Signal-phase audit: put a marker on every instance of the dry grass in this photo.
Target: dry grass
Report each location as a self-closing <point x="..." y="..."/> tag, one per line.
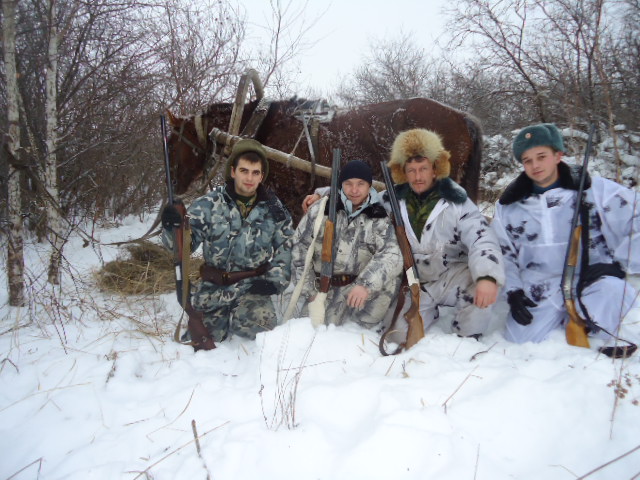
<point x="148" y="269"/>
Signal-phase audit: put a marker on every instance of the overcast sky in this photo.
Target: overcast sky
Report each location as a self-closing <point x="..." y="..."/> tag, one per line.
<point x="344" y="29"/>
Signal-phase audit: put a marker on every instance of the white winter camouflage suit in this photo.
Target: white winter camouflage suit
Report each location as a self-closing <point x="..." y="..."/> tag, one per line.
<point x="533" y="230"/>
<point x="233" y="243"/>
<point x="457" y="247"/>
<point x="366" y="245"/>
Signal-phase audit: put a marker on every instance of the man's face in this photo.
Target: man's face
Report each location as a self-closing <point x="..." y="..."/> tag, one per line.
<point x="420" y="174"/>
<point x="356" y="190"/>
<point x="246" y="177"/>
<point x="541" y="165"/>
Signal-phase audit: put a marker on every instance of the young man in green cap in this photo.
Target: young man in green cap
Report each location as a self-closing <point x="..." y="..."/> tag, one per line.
<point x="245" y="233"/>
<point x="532" y="221"/>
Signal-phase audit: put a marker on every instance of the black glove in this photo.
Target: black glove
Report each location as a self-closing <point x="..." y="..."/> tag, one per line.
<point x="263" y="287"/>
<point x="519" y="302"/>
<point x="171" y="217"/>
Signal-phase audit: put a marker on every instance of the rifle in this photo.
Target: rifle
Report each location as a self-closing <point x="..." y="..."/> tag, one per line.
<point x="414" y="320"/>
<point x="317" y="306"/>
<point x="200" y="338"/>
<point x="576" y="329"/>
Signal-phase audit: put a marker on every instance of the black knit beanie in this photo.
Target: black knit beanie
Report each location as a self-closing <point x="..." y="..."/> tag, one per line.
<point x="356" y="169"/>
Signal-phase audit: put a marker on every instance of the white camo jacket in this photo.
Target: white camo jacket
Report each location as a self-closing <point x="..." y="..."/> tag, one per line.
<point x="534" y="229"/>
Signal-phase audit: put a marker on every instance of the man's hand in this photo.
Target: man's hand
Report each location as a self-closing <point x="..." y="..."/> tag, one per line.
<point x="486" y="293"/>
<point x="309" y="200"/>
<point x="357" y="297"/>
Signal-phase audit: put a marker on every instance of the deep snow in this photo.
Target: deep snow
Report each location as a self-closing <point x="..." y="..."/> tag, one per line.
<point x="92" y="386"/>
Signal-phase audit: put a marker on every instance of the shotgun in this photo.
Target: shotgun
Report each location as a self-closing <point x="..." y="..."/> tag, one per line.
<point x="317" y="305"/>
<point x="200" y="338"/>
<point x="576" y="329"/>
<point x="411" y="283"/>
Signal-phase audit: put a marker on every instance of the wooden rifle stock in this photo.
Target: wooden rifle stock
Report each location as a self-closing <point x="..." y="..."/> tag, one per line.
<point x="327" y="253"/>
<point x="576" y="328"/>
<point x="200" y="338"/>
<point x="415" y="331"/>
<point x="317" y="306"/>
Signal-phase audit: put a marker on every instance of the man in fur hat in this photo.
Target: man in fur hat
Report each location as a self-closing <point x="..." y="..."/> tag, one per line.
<point x="532" y="221"/>
<point x="367" y="262"/>
<point x="245" y="233"/>
<point x="456" y="253"/>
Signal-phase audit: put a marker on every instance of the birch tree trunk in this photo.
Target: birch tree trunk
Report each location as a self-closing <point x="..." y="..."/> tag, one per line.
<point x="15" y="240"/>
<point x="54" y="220"/>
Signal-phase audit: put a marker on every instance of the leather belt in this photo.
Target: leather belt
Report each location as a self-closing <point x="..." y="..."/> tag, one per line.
<point x="224" y="278"/>
<point x="340" y="280"/>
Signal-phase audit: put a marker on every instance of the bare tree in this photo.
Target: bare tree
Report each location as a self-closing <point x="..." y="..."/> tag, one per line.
<point x="197" y="47"/>
<point x="559" y="56"/>
<point x="501" y="32"/>
<point x="15" y="240"/>
<point x="54" y="218"/>
<point x="393" y="69"/>
<point x="288" y="30"/>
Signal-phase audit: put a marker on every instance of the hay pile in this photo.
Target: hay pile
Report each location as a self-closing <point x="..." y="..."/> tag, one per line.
<point x="147" y="270"/>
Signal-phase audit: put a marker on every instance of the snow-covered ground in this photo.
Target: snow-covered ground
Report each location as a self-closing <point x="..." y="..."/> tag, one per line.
<point x="92" y="386"/>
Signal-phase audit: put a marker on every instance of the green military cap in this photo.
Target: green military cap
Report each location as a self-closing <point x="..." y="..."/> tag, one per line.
<point x="540" y="135"/>
<point x="247" y="145"/>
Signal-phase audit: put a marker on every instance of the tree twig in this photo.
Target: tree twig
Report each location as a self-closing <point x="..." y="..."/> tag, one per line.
<point x="144" y="472"/>
<point x="458" y="388"/>
<point x="195" y="437"/>
<point x="39" y="460"/>
<point x="608" y="463"/>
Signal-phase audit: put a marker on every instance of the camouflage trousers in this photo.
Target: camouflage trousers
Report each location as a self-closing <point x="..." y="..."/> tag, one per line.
<point x="246" y="316"/>
<point x="338" y="312"/>
<point x="454" y="289"/>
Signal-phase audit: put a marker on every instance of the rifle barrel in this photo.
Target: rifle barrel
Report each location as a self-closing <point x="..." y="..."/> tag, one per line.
<point x="328" y="240"/>
<point x="568" y="272"/>
<point x="167" y="164"/>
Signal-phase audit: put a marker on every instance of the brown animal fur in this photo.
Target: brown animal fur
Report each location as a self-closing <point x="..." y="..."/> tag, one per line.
<point x="365" y="133"/>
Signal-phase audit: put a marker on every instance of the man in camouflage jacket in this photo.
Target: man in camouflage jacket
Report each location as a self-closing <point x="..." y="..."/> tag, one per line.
<point x="367" y="261"/>
<point x="241" y="226"/>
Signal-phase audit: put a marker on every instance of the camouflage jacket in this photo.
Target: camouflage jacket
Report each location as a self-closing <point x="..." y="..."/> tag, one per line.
<point x="534" y="229"/>
<point x="366" y="246"/>
<point x="455" y="232"/>
<point x="233" y="243"/>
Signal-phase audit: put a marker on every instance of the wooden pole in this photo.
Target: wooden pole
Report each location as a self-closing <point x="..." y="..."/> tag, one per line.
<point x="218" y="136"/>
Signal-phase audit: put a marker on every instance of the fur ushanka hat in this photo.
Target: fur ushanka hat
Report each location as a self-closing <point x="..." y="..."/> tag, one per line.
<point x="418" y="142"/>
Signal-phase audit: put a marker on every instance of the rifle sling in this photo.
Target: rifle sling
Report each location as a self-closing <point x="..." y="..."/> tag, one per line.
<point x="223" y="278"/>
<point x="584" y="280"/>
